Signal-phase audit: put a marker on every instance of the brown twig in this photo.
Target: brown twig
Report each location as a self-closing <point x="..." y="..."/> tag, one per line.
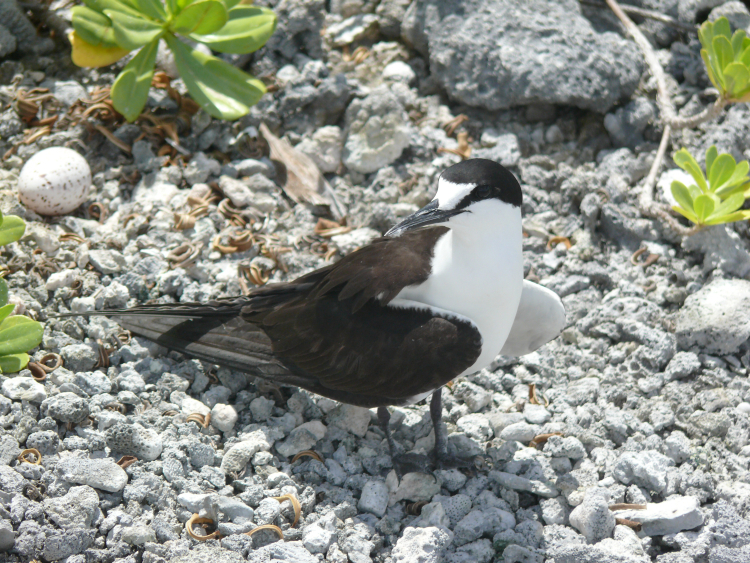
<point x="627" y="506"/>
<point x="636" y="526"/>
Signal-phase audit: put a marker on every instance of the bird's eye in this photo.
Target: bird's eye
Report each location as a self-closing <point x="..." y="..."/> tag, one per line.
<point x="483" y="191"/>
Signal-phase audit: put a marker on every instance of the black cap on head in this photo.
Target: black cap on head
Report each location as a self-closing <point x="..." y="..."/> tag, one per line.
<point x="485" y="174"/>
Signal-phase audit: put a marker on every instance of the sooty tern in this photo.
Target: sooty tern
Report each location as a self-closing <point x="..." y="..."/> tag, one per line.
<point x="439" y="296"/>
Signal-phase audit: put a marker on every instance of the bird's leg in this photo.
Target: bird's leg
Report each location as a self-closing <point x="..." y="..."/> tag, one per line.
<point x="402" y="463"/>
<point x="442" y="459"/>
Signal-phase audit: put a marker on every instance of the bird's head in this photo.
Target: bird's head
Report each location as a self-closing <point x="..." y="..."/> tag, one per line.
<point x="470" y="192"/>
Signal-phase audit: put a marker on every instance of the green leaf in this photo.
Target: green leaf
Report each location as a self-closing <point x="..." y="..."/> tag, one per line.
<point x="247" y="29"/>
<point x="708" y="62"/>
<point x="11" y="229"/>
<point x="724" y="53"/>
<point x="739" y="177"/>
<point x="744" y="57"/>
<point x="116" y="5"/>
<point x="729" y="205"/>
<point x="231" y="3"/>
<point x="130" y="90"/>
<point x="721" y="170"/>
<point x="132" y="32"/>
<point x="153" y="9"/>
<point x="93" y="27"/>
<point x="681" y="194"/>
<point x="737" y="41"/>
<point x="182" y="4"/>
<point x="3" y="292"/>
<point x="722" y="27"/>
<point x="206" y="16"/>
<point x="13" y="363"/>
<point x="19" y="336"/>
<point x="685" y="160"/>
<point x="690" y="216"/>
<point x="731" y="218"/>
<point x="711" y="155"/>
<point x="224" y="91"/>
<point x="703" y="205"/>
<point x="736" y="78"/>
<point x="706" y="34"/>
<point x="6" y="310"/>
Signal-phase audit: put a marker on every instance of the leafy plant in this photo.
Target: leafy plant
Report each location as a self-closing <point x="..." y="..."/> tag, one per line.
<point x="18" y="334"/>
<point x="107" y="30"/>
<point x="717" y="196"/>
<point x="727" y="59"/>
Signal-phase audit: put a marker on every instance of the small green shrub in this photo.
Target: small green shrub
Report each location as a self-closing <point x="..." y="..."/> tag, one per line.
<point x="18" y="334"/>
<point x="727" y="59"/>
<point x="106" y="30"/>
<point x="717" y="196"/>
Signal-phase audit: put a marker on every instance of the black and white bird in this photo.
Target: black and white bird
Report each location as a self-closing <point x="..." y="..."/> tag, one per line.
<point x="438" y="297"/>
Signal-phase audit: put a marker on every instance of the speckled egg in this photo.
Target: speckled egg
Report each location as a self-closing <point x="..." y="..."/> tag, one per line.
<point x="54" y="181"/>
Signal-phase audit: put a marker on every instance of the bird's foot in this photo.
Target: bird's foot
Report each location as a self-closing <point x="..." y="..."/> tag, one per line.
<point x="411" y="463"/>
<point x="447" y="461"/>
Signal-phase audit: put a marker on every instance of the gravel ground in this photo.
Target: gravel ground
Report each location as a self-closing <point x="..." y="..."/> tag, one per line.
<point x="643" y="400"/>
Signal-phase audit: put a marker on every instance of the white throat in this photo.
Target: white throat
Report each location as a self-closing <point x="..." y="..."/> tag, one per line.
<point x="477" y="273"/>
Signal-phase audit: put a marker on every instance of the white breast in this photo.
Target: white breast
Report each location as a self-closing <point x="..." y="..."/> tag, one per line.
<point x="477" y="273"/>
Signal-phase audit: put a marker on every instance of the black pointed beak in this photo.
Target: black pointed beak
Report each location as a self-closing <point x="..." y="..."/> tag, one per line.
<point x="428" y="215"/>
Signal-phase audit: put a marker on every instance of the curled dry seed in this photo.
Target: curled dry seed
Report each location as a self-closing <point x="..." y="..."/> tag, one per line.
<point x="183" y="221"/>
<point x="326" y="228"/>
<point x="23" y="456"/>
<point x="124" y="337"/>
<point x="627" y="506"/>
<point x="204" y="421"/>
<point x="295" y="505"/>
<point x="37" y="371"/>
<point x="451" y="126"/>
<point x="126" y="461"/>
<point x="216" y="245"/>
<point x="554" y="241"/>
<point x="534" y="396"/>
<point x="415" y="508"/>
<point x="31" y="492"/>
<point x="636" y="254"/>
<point x="542" y="438"/>
<point x="116" y="407"/>
<point x="242" y="240"/>
<point x="308" y="453"/>
<point x="169" y="413"/>
<point x="98" y="211"/>
<point x="88" y="421"/>
<point x="71" y="237"/>
<point x="51" y="357"/>
<point x="104" y="352"/>
<point x="195" y="519"/>
<point x="636" y="526"/>
<point x="650" y="259"/>
<point x="184" y="255"/>
<point x="266" y="527"/>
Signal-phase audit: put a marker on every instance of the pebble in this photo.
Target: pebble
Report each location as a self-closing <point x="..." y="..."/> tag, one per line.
<point x="517" y="483"/>
<point x="520" y="432"/>
<point x="350" y="418"/>
<point x="236" y="458"/>
<point x="422" y="545"/>
<point x="413" y="487"/>
<point x="302" y="438"/>
<point x="668" y="517"/>
<point x="66" y="407"/>
<point x="374" y="498"/>
<point x="77" y="509"/>
<point x="24" y="389"/>
<point x="134" y="439"/>
<point x="646" y="469"/>
<point x="100" y="473"/>
<point x="592" y="517"/>
<point x="223" y="417"/>
<point x="316" y="539"/>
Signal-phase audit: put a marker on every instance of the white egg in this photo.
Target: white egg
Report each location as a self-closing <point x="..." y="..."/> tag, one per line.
<point x="54" y="181"/>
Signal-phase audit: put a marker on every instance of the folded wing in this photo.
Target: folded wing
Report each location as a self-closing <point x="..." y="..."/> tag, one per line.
<point x="539" y="319"/>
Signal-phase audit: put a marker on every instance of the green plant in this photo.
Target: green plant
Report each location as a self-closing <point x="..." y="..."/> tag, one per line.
<point x="717" y="196"/>
<point x="106" y="30"/>
<point x="18" y="333"/>
<point x="727" y="59"/>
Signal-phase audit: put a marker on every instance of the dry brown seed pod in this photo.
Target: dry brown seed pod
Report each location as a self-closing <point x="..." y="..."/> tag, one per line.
<point x="542" y="438"/>
<point x="415" y="508"/>
<point x="126" y="461"/>
<point x="169" y="413"/>
<point x="98" y="211"/>
<point x="451" y="126"/>
<point x="203" y="421"/>
<point x="22" y="457"/>
<point x="37" y="371"/>
<point x="71" y="237"/>
<point x="266" y="527"/>
<point x="627" y="506"/>
<point x="184" y="221"/>
<point x="195" y="519"/>
<point x="308" y="453"/>
<point x="463" y="149"/>
<point x="116" y="407"/>
<point x="534" y="396"/>
<point x="636" y="526"/>
<point x="295" y="505"/>
<point x="554" y="241"/>
<point x="51" y="357"/>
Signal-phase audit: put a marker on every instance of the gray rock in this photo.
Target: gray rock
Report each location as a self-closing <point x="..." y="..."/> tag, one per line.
<point x="517" y="554"/>
<point x="374" y="498"/>
<point x="568" y="446"/>
<point x="504" y="149"/>
<point x="721" y="248"/>
<point x="79" y="357"/>
<point x="350" y="418"/>
<point x="475" y="397"/>
<point x="593" y="517"/>
<point x="9" y="449"/>
<point x="200" y="169"/>
<point x="138" y="535"/>
<point x="223" y="417"/>
<point x="24" y="389"/>
<point x="59" y="544"/>
<point x="77" y="509"/>
<point x="376" y="131"/>
<point x="7" y="46"/>
<point x="647" y="469"/>
<point x="267" y="512"/>
<point x="46" y="441"/>
<point x="668" y="517"/>
<point x="7" y="535"/>
<point x="422" y="545"/>
<point x="503" y="53"/>
<point x="316" y="539"/>
<point x="413" y="486"/>
<point x="304" y="437"/>
<point x="92" y="382"/>
<point x="261" y="408"/>
<point x="214" y="554"/>
<point x="677" y="446"/>
<point x="682" y="365"/>
<point x="134" y="439"/>
<point x="626" y="125"/>
<point x="554" y="510"/>
<point x="399" y="71"/>
<point x="10" y="480"/>
<point x="66" y="407"/>
<point x="520" y="432"/>
<point x="517" y="483"/>
<point x="469" y="528"/>
<point x="324" y="148"/>
<point x="107" y="261"/>
<point x="237" y="457"/>
<point x="735" y="11"/>
<point x="475" y="426"/>
<point x="103" y="474"/>
<point x="536" y="414"/>
<point x="716" y="318"/>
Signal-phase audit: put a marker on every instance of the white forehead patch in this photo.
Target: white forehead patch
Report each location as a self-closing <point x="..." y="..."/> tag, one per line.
<point x="449" y="194"/>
